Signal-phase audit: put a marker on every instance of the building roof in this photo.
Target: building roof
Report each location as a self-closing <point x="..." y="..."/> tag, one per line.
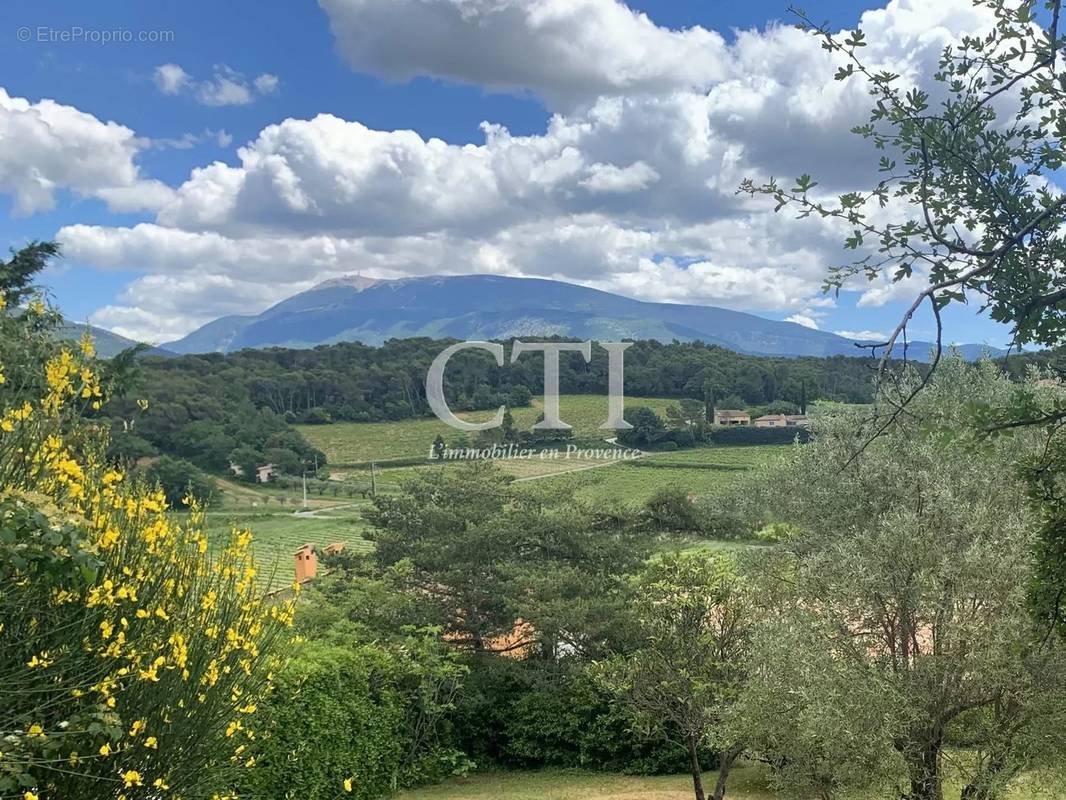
<point x="730" y="413"/>
<point x="774" y="417"/>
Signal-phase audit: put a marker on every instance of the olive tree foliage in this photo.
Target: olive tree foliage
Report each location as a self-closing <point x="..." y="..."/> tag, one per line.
<point x="967" y="174"/>
<point x="897" y="620"/>
<point x="693" y="620"/>
<point x="969" y="203"/>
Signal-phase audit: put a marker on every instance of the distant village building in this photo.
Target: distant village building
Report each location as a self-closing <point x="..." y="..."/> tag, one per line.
<point x="731" y="417"/>
<point x="263" y="474"/>
<point x="796" y="420"/>
<point x="771" y="421"/>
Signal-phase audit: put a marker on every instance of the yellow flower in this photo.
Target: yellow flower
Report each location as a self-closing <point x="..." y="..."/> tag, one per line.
<point x="105" y="749"/>
<point x="138" y="727"/>
<point x="151" y="743"/>
<point x="29" y="796"/>
<point x="131" y="778"/>
<point x="35" y="731"/>
<point x="347" y="784"/>
<point x="85" y="344"/>
<point x="39" y="661"/>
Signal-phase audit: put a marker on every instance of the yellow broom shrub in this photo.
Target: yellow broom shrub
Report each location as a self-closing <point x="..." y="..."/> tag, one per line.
<point x="133" y="655"/>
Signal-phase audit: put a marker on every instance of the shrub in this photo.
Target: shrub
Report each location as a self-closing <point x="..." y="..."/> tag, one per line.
<point x="357" y="705"/>
<point x="315" y="416"/>
<point x="336" y="714"/>
<point x="670" y="509"/>
<point x="131" y="658"/>
<point x="534" y="714"/>
<point x="749" y="434"/>
<point x="181" y="482"/>
<point x="647" y="428"/>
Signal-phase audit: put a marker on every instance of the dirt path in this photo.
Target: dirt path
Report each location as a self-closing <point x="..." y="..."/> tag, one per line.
<point x="313" y="512"/>
<point x="610" y="463"/>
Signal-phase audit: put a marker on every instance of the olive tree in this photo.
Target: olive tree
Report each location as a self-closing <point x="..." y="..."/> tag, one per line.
<point x="694" y="618"/>
<point x="968" y="208"/>
<point x="899" y="606"/>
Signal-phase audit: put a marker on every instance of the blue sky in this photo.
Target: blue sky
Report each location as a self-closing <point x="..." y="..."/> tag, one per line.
<point x="128" y="268"/>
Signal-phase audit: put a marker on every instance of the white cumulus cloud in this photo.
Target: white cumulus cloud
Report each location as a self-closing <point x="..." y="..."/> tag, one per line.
<point x="863" y="336"/>
<point x="563" y="50"/>
<point x="226" y="86"/>
<point x="46" y="147"/>
<point x="266" y="83"/>
<point x="171" y="78"/>
<point x="804" y="320"/>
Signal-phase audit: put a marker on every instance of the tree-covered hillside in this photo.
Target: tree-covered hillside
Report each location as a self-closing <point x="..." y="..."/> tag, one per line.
<point x="359" y="383"/>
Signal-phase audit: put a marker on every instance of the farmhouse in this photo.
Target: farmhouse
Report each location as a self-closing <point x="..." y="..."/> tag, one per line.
<point x="771" y="421"/>
<point x="263" y="474"/>
<point x="731" y="417"/>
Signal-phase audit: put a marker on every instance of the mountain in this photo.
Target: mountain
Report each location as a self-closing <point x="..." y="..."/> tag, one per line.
<point x="108" y="344"/>
<point x="472" y="307"/>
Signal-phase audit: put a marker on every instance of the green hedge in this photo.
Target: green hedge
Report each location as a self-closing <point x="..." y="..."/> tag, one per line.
<point x="383" y="463"/>
<point x="336" y="713"/>
<point x="533" y="714"/>
<point x="749" y="434"/>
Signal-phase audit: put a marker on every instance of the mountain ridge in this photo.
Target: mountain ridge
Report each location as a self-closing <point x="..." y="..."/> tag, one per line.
<point x="356" y="308"/>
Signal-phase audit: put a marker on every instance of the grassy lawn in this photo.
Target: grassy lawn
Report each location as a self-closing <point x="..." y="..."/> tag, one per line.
<point x="746" y="783"/>
<point x="353" y="442"/>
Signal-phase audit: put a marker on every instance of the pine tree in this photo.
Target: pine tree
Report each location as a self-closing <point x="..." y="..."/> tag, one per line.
<point x="508" y="429"/>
